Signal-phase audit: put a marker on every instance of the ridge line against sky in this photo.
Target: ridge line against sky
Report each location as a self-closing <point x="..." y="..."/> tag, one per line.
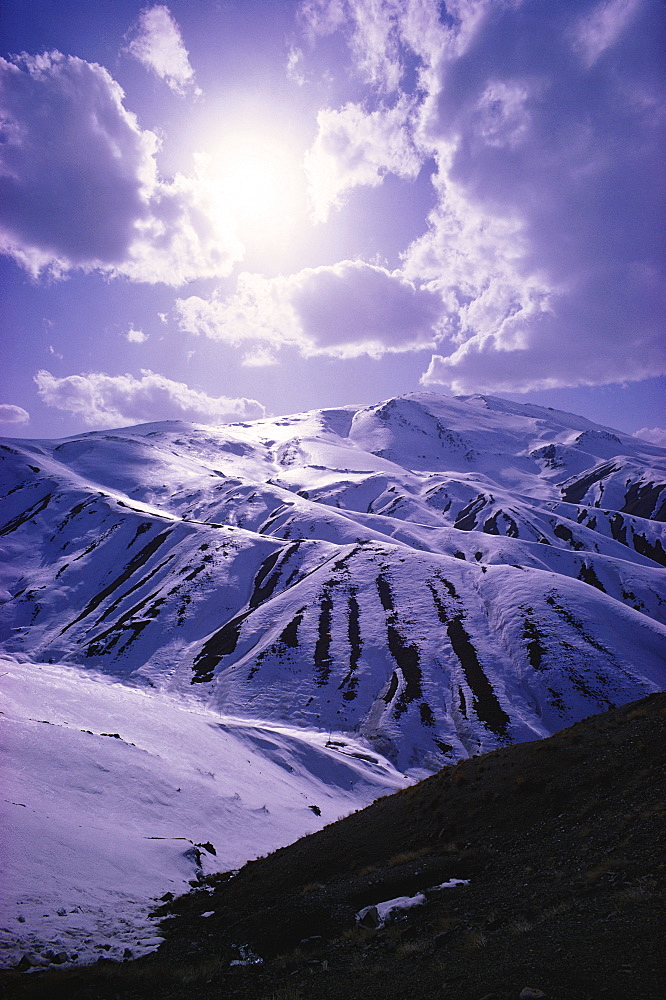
<point x="213" y="210"/>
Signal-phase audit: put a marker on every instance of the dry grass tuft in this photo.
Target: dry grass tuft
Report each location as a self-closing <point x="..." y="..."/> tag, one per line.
<point x="474" y="940"/>
<point x="411" y="949"/>
<point x="402" y="859"/>
<point x="312" y="887"/>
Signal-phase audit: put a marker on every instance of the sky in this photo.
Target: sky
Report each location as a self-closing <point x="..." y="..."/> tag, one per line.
<point x="212" y="210"/>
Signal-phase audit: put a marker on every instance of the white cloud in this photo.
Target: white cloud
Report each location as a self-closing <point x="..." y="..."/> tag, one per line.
<point x="79" y="185"/>
<point x="353" y="308"/>
<point x="372" y="31"/>
<point x="322" y="17"/>
<point x="545" y="124"/>
<point x="259" y="356"/>
<point x="345" y="310"/>
<point x="11" y="414"/>
<point x="489" y="304"/>
<point x="295" y="66"/>
<point x="656" y="435"/>
<point x="354" y="147"/>
<point x="503" y="113"/>
<point x="184" y="236"/>
<point x="259" y="312"/>
<point x="158" y="45"/>
<point x="375" y="42"/>
<point x="136" y="336"/>
<point x="101" y="400"/>
<point x="602" y="27"/>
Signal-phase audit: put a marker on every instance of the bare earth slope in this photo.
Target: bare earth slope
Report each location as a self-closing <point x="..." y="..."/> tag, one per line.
<point x="559" y="844"/>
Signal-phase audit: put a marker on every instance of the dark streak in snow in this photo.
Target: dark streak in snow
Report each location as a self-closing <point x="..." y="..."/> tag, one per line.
<point x="652" y="551"/>
<point x="392" y="688"/>
<point x="486" y="705"/>
<point x="27" y="515"/>
<point x="587" y="575"/>
<point x="350" y="681"/>
<point x="576" y="490"/>
<point x="405" y="655"/>
<point x="322" y="651"/>
<point x="221" y="643"/>
<point x="535" y="649"/>
<point x="264" y="583"/>
<point x="139" y="559"/>
<point x="467" y="518"/>
<point x="642" y="500"/>
<point x="566" y="534"/>
<point x="289" y="634"/>
<point x="618" y="528"/>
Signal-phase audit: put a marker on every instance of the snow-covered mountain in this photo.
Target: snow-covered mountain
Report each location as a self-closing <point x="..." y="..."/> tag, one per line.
<point x="438" y="575"/>
<point x="420" y="580"/>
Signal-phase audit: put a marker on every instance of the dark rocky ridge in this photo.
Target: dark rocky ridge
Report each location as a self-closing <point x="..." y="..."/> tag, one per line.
<point x="560" y="841"/>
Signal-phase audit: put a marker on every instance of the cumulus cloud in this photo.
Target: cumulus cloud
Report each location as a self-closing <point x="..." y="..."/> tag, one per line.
<point x="158" y="45"/>
<point x="101" y="400"/>
<point x="356" y="308"/>
<point x="11" y="414"/>
<point x="656" y="435"/>
<point x="503" y="111"/>
<point x="374" y="39"/>
<point x="344" y="310"/>
<point x="561" y="161"/>
<point x="545" y="122"/>
<point x="474" y="260"/>
<point x="79" y="185"/>
<point x="259" y="312"/>
<point x="136" y="336"/>
<point x="355" y="147"/>
<point x="259" y="356"/>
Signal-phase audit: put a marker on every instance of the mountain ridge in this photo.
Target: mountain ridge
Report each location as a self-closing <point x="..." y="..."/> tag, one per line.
<point x="483" y="537"/>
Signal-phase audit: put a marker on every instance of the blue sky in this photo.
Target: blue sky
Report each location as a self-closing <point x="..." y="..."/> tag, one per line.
<point x="218" y="208"/>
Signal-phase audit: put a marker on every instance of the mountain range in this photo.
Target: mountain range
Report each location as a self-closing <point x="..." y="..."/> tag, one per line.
<point x="356" y="596"/>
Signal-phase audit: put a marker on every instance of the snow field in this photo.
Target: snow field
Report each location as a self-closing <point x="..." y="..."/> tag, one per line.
<point x="108" y="788"/>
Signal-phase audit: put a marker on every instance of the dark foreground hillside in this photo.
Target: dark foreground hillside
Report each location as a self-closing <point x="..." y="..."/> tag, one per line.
<point x="561" y="841"/>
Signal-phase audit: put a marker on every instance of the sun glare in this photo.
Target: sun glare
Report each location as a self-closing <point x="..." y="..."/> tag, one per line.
<point x="259" y="184"/>
<point x="253" y="176"/>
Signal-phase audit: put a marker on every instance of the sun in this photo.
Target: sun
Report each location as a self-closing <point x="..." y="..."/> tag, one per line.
<point x="253" y="174"/>
<point x="253" y="186"/>
<point x="258" y="185"/>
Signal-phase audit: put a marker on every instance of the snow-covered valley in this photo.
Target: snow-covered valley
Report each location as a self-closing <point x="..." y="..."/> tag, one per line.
<point x="113" y="796"/>
<point x="229" y="637"/>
